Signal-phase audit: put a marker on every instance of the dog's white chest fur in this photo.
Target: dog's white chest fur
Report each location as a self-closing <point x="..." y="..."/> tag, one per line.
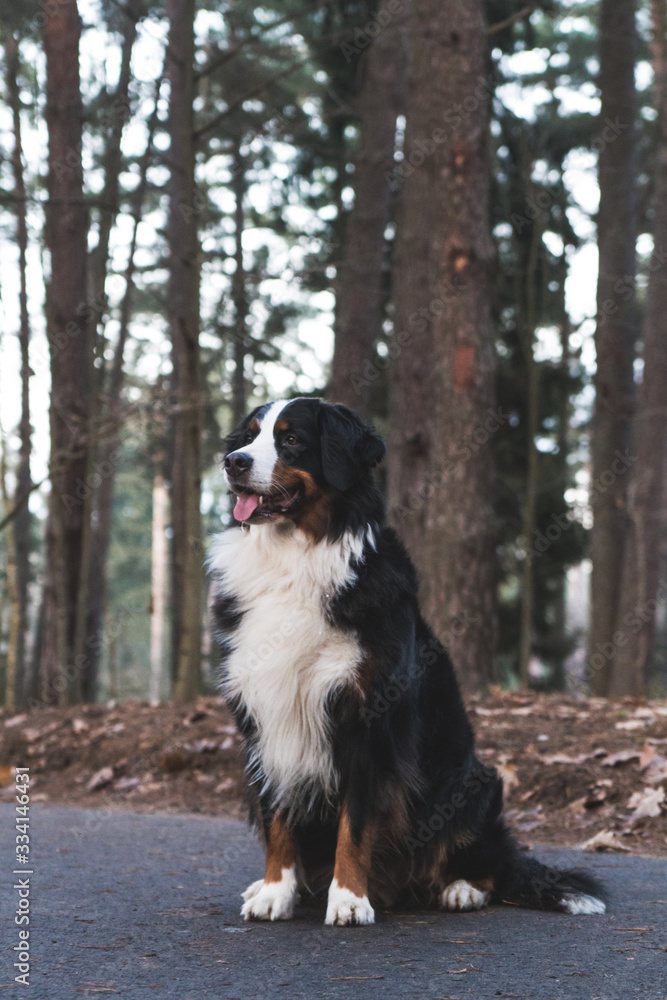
<point x="287" y="659"/>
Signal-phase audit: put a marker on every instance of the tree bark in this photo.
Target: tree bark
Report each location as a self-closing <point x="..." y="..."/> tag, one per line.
<point x="12" y="677"/>
<point x="359" y="292"/>
<point x="640" y="583"/>
<point x="442" y="379"/>
<point x="239" y="292"/>
<point x="110" y="437"/>
<point x="183" y="313"/>
<point x="158" y="585"/>
<point x="23" y="519"/>
<point x="68" y="330"/>
<point x="532" y="471"/>
<point x="616" y="329"/>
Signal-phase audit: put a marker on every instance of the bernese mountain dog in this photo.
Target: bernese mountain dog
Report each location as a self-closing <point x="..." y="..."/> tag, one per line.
<point x="361" y="769"/>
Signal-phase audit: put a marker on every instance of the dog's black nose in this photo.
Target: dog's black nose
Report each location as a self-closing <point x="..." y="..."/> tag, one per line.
<point x="238" y="461"/>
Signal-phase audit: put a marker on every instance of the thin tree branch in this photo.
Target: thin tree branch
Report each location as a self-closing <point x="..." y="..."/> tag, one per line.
<point x="521" y="15"/>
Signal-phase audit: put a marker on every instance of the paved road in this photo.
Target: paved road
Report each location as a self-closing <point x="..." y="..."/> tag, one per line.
<point x="148" y="906"/>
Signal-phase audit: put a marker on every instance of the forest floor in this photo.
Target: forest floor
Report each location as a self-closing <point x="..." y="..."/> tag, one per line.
<point x="578" y="773"/>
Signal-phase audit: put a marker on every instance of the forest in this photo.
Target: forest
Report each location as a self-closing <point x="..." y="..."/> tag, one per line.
<point x="450" y="215"/>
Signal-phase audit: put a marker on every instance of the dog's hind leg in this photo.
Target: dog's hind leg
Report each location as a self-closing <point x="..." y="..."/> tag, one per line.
<point x="464" y="895"/>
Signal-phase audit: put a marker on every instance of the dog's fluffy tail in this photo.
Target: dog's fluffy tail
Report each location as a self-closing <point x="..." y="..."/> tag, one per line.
<point x="524" y="881"/>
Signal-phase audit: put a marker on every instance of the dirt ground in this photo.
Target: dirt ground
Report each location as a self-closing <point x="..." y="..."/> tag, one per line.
<point x="576" y="772"/>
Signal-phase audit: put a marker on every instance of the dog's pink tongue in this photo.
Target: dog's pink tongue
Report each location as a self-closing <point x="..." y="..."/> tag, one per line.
<point x="245" y="505"/>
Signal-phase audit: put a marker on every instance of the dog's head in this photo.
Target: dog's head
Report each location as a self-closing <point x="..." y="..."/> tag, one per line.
<point x="288" y="460"/>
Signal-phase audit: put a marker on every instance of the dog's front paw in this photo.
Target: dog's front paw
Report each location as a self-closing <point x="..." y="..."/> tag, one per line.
<point x="461" y="895"/>
<point x="345" y="909"/>
<point x="271" y="900"/>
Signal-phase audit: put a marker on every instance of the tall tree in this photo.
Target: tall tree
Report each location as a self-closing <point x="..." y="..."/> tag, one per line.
<point x="633" y="659"/>
<point x="22" y="521"/>
<point x="70" y="343"/>
<point x="359" y="291"/>
<point x="442" y="393"/>
<point x="110" y="422"/>
<point x="616" y="330"/>
<point x="183" y="314"/>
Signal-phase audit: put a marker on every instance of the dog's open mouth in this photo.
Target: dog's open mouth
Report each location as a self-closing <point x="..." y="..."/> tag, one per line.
<point x="265" y="504"/>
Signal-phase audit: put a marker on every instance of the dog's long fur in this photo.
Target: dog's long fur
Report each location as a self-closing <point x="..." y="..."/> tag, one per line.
<point x="360" y="756"/>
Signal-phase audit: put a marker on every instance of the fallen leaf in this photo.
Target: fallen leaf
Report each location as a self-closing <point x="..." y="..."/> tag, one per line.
<point x="597" y="794"/>
<point x="563" y="758"/>
<point x="150" y="786"/>
<point x="80" y="726"/>
<point x="509" y="776"/>
<point x="656" y="771"/>
<point x="647" y="755"/>
<point x="122" y="784"/>
<point x="15" y="720"/>
<point x="631" y="724"/>
<point x="605" y="840"/>
<point x="646" y="804"/>
<point x="224" y="786"/>
<point x="100" y="779"/>
<point x="622" y="757"/>
<point x="202" y="746"/>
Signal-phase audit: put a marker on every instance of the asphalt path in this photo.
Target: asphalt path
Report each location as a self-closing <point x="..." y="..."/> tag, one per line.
<point x="140" y="906"/>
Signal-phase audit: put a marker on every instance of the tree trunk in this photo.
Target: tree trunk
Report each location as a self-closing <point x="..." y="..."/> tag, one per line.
<point x="532" y="472"/>
<point x="183" y="312"/>
<point x="616" y="329"/>
<point x="68" y="330"/>
<point x="646" y="497"/>
<point x="110" y="442"/>
<point x="22" y="521"/>
<point x="442" y="392"/>
<point x="239" y="293"/>
<point x="12" y="677"/>
<point x="158" y="585"/>
<point x="359" y="291"/>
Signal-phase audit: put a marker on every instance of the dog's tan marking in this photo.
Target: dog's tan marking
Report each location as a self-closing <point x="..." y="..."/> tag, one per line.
<point x="353" y="861"/>
<point x="281" y="850"/>
<point x="314" y="514"/>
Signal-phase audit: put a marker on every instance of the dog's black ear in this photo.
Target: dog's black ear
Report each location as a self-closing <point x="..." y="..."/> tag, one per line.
<point x="350" y="449"/>
<point x="234" y="439"/>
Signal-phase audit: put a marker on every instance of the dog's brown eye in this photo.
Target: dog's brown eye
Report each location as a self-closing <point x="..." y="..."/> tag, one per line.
<point x="290" y="439"/>
<point x="248" y="437"/>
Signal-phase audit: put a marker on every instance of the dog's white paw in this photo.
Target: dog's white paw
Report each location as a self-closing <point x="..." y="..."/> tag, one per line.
<point x="461" y="895"/>
<point x="580" y="902"/>
<point x="345" y="909"/>
<point x="271" y="900"/>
